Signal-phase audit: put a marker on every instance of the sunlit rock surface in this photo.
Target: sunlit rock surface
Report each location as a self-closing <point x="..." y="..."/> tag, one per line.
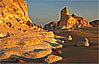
<point x="19" y="36"/>
<point x="95" y="23"/>
<point x="53" y="58"/>
<point x="67" y="21"/>
<point x="84" y="42"/>
<point x="70" y="37"/>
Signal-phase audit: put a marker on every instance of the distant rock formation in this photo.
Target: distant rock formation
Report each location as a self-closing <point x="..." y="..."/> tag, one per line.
<point x="68" y="22"/>
<point x="95" y="23"/>
<point x="51" y="26"/>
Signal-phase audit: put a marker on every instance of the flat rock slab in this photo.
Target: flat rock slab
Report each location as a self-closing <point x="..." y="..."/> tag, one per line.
<point x="53" y="58"/>
<point x="37" y="51"/>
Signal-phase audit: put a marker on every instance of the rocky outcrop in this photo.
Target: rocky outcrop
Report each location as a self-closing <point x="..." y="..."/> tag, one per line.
<point x="33" y="52"/>
<point x="95" y="23"/>
<point x="51" y="26"/>
<point x="19" y="36"/>
<point x="68" y="22"/>
<point x="14" y="14"/>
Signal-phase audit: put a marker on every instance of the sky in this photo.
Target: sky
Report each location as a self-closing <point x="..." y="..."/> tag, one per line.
<point x="45" y="11"/>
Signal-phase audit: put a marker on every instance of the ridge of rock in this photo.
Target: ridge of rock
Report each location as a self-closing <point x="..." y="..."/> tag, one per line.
<point x="95" y="23"/>
<point x="68" y="21"/>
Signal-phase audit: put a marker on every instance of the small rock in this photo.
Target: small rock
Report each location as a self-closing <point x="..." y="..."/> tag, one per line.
<point x="19" y="61"/>
<point x="62" y="42"/>
<point x="56" y="51"/>
<point x="53" y="58"/>
<point x="2" y="34"/>
<point x="70" y="38"/>
<point x="39" y="29"/>
<point x="86" y="43"/>
<point x="24" y="30"/>
<point x="83" y="43"/>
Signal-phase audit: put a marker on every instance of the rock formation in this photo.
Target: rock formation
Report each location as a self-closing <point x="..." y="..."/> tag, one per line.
<point x="84" y="42"/>
<point x="95" y="23"/>
<point x="68" y="22"/>
<point x="14" y="14"/>
<point x="19" y="36"/>
<point x="69" y="38"/>
<point x="53" y="58"/>
<point x="51" y="26"/>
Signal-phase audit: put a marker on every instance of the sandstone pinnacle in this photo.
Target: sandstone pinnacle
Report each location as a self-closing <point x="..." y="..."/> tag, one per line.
<point x="67" y="22"/>
<point x="65" y="11"/>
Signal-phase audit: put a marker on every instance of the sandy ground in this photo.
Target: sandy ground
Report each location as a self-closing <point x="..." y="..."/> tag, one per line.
<point x="73" y="54"/>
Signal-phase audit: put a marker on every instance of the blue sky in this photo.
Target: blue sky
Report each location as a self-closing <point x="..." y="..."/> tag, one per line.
<point x="45" y="11"/>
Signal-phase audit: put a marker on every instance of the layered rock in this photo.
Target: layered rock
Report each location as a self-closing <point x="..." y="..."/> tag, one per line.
<point x="13" y="14"/>
<point x="95" y="23"/>
<point x="51" y="26"/>
<point x="68" y="21"/>
<point x="53" y="58"/>
<point x="19" y="36"/>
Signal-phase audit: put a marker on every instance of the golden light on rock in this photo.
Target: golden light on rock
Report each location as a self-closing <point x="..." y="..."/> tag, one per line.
<point x="70" y="37"/>
<point x="86" y="43"/>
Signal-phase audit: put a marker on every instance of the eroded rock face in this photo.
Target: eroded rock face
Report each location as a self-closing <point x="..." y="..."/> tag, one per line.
<point x="33" y="52"/>
<point x="18" y="35"/>
<point x="13" y="14"/>
<point x="95" y="23"/>
<point x="51" y="26"/>
<point x="68" y="22"/>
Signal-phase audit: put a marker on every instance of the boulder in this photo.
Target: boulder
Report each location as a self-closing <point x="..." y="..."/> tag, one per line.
<point x="84" y="42"/>
<point x="2" y="34"/>
<point x="53" y="58"/>
<point x="69" y="38"/>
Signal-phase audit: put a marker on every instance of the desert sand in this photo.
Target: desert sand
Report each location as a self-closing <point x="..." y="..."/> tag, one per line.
<point x="79" y="54"/>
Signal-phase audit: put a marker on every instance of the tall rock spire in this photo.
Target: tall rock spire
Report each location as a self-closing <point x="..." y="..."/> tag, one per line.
<point x="64" y="16"/>
<point x="65" y="11"/>
<point x="68" y="21"/>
